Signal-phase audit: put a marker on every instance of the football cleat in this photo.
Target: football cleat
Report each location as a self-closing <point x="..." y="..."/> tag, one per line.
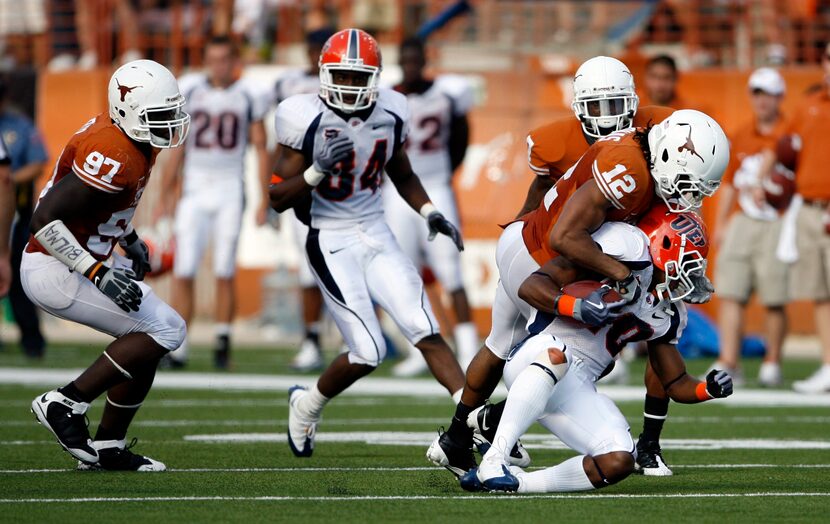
<point x="309" y="358"/>
<point x="818" y="382"/>
<point x="444" y="452"/>
<point x="301" y="430"/>
<point x="484" y="431"/>
<point x="495" y="475"/>
<point x="469" y="481"/>
<point x="650" y="459"/>
<point x="66" y="419"/>
<point x="115" y="455"/>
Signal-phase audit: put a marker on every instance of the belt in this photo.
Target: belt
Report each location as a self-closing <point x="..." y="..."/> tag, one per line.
<point x="824" y="204"/>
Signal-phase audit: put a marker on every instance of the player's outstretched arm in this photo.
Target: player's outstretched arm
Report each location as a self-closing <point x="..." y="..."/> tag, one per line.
<point x="69" y="200"/>
<point x="670" y="368"/>
<point x="535" y="193"/>
<point x="583" y="213"/>
<point x="289" y="183"/>
<point x="409" y="187"/>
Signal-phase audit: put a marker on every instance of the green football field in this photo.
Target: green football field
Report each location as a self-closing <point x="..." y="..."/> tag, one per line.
<point x="225" y="449"/>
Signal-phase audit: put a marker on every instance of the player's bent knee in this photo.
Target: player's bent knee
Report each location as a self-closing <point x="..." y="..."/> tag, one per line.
<point x="614" y="467"/>
<point x="170" y="330"/>
<point x="553" y="361"/>
<point x="362" y="360"/>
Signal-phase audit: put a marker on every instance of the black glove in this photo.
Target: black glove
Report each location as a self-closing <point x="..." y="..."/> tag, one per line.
<point x="334" y="150"/>
<point x="438" y="224"/>
<point x="591" y="310"/>
<point x="118" y="285"/>
<point x="718" y="384"/>
<point x="702" y="292"/>
<point x="136" y="250"/>
<point x="628" y="288"/>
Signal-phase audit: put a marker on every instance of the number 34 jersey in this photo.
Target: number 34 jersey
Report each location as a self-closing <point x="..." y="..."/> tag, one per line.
<point x="103" y="158"/>
<point x="618" y="167"/>
<point x="351" y="193"/>
<point x="220" y="121"/>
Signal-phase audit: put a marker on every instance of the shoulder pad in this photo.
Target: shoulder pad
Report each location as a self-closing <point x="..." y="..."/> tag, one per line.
<point x="293" y="117"/>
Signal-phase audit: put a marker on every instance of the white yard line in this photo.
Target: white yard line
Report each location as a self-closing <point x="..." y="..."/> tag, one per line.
<point x="392" y="469"/>
<point x="371" y="386"/>
<point x="488" y="497"/>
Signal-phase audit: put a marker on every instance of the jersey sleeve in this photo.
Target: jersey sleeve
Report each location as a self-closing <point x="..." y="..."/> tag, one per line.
<point x="396" y="104"/>
<point x="623" y="178"/>
<point x="104" y="166"/>
<point x="545" y="147"/>
<point x="293" y="120"/>
<point x="677" y="324"/>
<point x="622" y="242"/>
<point x="459" y="91"/>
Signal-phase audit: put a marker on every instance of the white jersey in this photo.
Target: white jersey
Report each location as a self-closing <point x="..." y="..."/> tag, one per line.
<point x="220" y="121"/>
<point x="296" y="82"/>
<point x="352" y="195"/>
<point x="645" y="320"/>
<point x="431" y="114"/>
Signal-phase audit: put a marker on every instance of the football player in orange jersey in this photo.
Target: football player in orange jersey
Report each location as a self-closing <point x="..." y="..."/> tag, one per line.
<point x="83" y="212"/>
<point x="679" y="161"/>
<point x="604" y="101"/>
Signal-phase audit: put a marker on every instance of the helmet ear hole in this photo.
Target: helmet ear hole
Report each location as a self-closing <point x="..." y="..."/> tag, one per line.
<point x="122" y="113"/>
<point x="665" y="156"/>
<point x="666" y="242"/>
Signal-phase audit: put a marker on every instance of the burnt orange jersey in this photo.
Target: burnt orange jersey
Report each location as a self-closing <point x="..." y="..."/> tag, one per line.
<point x="105" y="159"/>
<point x="811" y="123"/>
<point x="617" y="165"/>
<point x="553" y="148"/>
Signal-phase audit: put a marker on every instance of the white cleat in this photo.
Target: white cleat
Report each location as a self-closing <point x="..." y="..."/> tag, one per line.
<point x="309" y="358"/>
<point x="301" y="430"/>
<point x="769" y="375"/>
<point x="818" y="382"/>
<point x="115" y="455"/>
<point x="66" y="419"/>
<point x="412" y="365"/>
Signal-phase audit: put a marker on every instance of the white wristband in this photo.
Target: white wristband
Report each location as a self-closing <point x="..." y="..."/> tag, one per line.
<point x="313" y="177"/>
<point x="428" y="209"/>
<point x="56" y="238"/>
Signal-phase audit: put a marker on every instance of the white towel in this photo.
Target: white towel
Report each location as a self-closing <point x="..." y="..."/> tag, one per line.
<point x="787" y="250"/>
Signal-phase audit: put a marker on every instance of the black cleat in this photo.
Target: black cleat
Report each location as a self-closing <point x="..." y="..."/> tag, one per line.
<point x="444" y="452"/>
<point x="66" y="419"/>
<point x="650" y="459"/>
<point x="114" y="455"/>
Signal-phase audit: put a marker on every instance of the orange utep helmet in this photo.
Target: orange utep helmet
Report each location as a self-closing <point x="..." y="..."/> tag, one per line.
<point x="350" y="50"/>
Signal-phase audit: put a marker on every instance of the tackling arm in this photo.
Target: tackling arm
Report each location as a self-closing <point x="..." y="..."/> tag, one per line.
<point x="535" y="193"/>
<point x="670" y="368"/>
<point x="542" y="287"/>
<point x="583" y="213"/>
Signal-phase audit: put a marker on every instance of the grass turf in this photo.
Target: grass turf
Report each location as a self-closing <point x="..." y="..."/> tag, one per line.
<point x="336" y="492"/>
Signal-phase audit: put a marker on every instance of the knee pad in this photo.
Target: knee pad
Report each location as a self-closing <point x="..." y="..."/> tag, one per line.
<point x="553" y="361"/>
<point x="169" y="329"/>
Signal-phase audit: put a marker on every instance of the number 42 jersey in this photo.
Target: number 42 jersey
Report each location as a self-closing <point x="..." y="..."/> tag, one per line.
<point x="350" y="194"/>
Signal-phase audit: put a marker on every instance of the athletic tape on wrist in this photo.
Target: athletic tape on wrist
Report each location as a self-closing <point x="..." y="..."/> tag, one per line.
<point x="702" y="393"/>
<point x="427" y="209"/>
<point x="313" y="177"/>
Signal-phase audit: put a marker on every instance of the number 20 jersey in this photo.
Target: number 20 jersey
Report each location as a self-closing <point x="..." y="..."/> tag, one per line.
<point x="351" y="194"/>
<point x="220" y="120"/>
<point x="617" y="165"/>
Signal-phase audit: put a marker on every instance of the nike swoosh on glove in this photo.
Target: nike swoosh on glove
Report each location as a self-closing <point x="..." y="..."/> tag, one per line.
<point x="593" y="310"/>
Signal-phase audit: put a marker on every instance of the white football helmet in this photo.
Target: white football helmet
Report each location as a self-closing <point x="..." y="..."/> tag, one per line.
<point x="604" y="96"/>
<point x="145" y="102"/>
<point x="689" y="153"/>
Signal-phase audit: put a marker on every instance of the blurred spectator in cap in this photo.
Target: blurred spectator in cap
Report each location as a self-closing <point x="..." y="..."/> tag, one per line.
<point x="811" y="272"/>
<point x="748" y="238"/>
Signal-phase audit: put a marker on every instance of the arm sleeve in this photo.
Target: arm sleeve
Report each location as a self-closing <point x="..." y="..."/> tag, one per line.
<point x="102" y="167"/>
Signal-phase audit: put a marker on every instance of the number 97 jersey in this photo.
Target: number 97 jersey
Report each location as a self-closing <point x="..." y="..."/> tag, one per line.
<point x="350" y="194"/>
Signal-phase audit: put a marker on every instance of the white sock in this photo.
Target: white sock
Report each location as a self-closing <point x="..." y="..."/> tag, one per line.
<point x="222" y="329"/>
<point x="567" y="476"/>
<point x="180" y="354"/>
<point x="312" y="404"/>
<point x="466" y="341"/>
<point x="526" y="402"/>
<point x="456" y="397"/>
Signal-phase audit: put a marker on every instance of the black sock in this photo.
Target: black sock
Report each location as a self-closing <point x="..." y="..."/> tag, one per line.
<point x="313" y="335"/>
<point x="654" y="416"/>
<point x="459" y="432"/>
<point x="106" y="434"/>
<point x="71" y="392"/>
<point x="223" y="343"/>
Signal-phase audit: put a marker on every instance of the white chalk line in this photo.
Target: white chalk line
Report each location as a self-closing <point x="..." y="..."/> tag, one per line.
<point x="477" y="498"/>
